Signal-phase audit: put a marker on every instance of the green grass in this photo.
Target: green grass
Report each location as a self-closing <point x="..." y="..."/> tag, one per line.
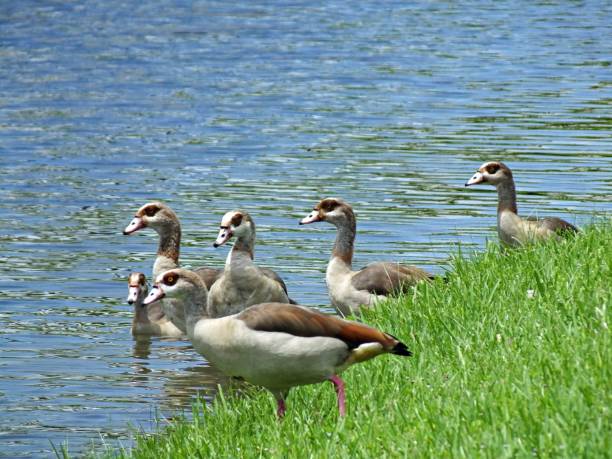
<point x="512" y="359"/>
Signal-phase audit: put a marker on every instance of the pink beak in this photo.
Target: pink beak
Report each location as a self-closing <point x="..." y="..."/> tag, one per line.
<point x="136" y="224"/>
<point x="156" y="294"/>
<point x="311" y="218"/>
<point x="224" y="235"/>
<point x="476" y="178"/>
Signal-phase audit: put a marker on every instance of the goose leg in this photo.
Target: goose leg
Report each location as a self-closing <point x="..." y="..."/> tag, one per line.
<point x="280" y="397"/>
<point x="280" y="410"/>
<point x="339" y="386"/>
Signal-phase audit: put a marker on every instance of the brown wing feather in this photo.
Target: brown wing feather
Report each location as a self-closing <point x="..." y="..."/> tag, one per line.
<point x="385" y="278"/>
<point x="306" y="322"/>
<point x="555" y="224"/>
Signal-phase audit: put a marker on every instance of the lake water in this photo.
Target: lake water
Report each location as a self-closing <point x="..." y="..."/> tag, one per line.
<point x="266" y="106"/>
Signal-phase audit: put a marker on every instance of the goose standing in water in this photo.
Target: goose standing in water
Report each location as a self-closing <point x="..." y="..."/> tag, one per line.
<point x="148" y="320"/>
<point x="243" y="283"/>
<point x="349" y="290"/>
<point x="162" y="219"/>
<point x="513" y="230"/>
<point x="277" y="346"/>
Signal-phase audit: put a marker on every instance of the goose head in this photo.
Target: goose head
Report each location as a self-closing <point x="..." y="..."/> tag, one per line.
<point x="174" y="283"/>
<point x="137" y="288"/>
<point x="155" y="215"/>
<point x="236" y="223"/>
<point x="332" y="210"/>
<point x="492" y="172"/>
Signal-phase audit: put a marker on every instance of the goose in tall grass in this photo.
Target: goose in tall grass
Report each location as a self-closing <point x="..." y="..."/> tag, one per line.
<point x="514" y="230"/>
<point x="242" y="283"/>
<point x="349" y="290"/>
<point x="277" y="346"/>
<point x="148" y="320"/>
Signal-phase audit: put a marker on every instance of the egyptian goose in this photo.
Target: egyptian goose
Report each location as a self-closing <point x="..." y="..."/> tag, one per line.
<point x="277" y="346"/>
<point x="513" y="230"/>
<point x="165" y="222"/>
<point x="148" y="320"/>
<point x="349" y="290"/>
<point x="243" y="283"/>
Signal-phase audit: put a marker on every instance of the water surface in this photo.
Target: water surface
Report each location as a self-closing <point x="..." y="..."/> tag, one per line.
<point x="266" y="106"/>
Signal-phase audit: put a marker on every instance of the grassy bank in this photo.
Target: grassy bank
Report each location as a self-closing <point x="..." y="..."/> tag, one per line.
<point x="511" y="359"/>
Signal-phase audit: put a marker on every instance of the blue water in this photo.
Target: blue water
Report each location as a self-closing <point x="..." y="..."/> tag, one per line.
<point x="267" y="106"/>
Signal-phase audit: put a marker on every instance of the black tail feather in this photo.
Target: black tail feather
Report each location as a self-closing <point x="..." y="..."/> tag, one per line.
<point x="401" y="349"/>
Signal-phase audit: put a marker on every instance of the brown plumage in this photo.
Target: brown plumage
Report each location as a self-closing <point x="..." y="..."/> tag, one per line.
<point x="385" y="278"/>
<point x="306" y="322"/>
<point x="514" y="230"/>
<point x="349" y="290"/>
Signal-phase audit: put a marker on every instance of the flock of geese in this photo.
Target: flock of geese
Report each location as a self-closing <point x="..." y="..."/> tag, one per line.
<point x="242" y="319"/>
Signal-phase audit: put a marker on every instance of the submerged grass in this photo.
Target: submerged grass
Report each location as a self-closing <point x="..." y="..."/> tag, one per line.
<point x="511" y="359"/>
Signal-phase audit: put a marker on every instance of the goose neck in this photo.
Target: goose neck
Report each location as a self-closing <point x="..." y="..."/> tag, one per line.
<point x="170" y="242"/>
<point x="506" y="194"/>
<point x="140" y="312"/>
<point x="193" y="302"/>
<point x="345" y="240"/>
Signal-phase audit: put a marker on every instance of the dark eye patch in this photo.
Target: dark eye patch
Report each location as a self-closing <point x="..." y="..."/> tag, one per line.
<point x="151" y="211"/>
<point x="328" y="205"/>
<point x="237" y="219"/>
<point x="170" y="279"/>
<point x="492" y="168"/>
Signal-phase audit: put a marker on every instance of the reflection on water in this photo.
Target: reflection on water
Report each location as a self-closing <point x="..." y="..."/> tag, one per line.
<point x="269" y="107"/>
<point x="179" y="388"/>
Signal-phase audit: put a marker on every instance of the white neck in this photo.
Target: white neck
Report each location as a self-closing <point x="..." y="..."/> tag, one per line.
<point x="337" y="268"/>
<point x="162" y="264"/>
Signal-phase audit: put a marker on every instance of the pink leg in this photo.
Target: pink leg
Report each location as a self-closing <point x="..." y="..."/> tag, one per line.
<point x="280" y="410"/>
<point x="339" y="386"/>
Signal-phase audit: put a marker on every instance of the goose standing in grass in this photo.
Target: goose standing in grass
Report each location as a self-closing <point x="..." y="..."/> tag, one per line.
<point x="243" y="283"/>
<point x="349" y="290"/>
<point x="277" y="346"/>
<point x="512" y="229"/>
<point x="148" y="320"/>
<point x="162" y="219"/>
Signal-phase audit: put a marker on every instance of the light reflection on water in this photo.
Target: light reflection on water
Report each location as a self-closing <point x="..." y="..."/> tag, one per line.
<point x="266" y="107"/>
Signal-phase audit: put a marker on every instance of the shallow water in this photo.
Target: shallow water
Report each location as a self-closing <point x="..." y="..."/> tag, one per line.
<point x="267" y="107"/>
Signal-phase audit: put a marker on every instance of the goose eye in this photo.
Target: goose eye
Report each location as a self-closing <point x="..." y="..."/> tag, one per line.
<point x="492" y="169"/>
<point x="170" y="279"/>
<point x="150" y="211"/>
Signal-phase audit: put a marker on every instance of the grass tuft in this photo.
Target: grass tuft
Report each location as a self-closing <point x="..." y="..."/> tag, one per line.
<point x="511" y="359"/>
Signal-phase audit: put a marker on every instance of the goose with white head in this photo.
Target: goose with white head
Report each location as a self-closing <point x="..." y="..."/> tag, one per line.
<point x="164" y="221"/>
<point x="277" y="346"/>
<point x="513" y="230"/>
<point x="148" y="320"/>
<point x="243" y="283"/>
<point x="350" y="290"/>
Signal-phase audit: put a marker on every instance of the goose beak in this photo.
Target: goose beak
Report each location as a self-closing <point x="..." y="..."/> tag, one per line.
<point x="133" y="292"/>
<point x="136" y="224"/>
<point x="224" y="235"/>
<point x="476" y="178"/>
<point x="156" y="294"/>
<point x="311" y="218"/>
